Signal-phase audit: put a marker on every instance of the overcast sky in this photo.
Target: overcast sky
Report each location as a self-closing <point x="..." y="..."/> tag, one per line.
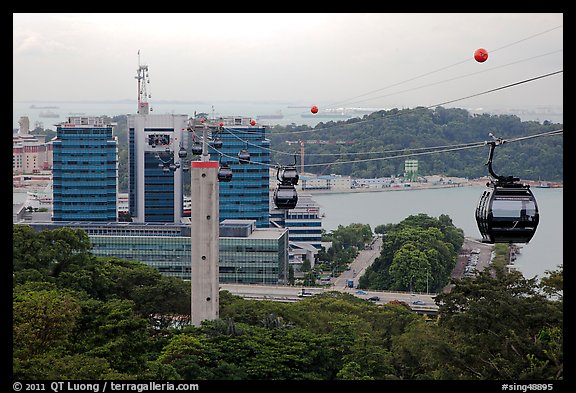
<point x="343" y="59"/>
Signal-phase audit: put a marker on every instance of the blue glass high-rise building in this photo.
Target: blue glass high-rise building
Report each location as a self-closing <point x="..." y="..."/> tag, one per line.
<point x="85" y="171"/>
<point x="247" y="195"/>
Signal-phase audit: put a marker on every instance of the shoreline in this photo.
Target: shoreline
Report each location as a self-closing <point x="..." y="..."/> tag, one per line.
<point x="418" y="186"/>
<point x="386" y="189"/>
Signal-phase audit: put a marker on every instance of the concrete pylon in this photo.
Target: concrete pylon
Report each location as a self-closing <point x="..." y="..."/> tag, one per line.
<point x="205" y="219"/>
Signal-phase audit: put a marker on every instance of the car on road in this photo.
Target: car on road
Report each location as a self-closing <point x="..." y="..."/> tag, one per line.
<point x="361" y="293"/>
<point x="374" y="298"/>
<point x="304" y="293"/>
<point x="419" y="302"/>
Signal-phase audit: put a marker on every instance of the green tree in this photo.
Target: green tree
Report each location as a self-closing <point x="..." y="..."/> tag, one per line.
<point x="113" y="331"/>
<point x="42" y="320"/>
<point x="419" y="252"/>
<point x="503" y="327"/>
<point x="407" y="267"/>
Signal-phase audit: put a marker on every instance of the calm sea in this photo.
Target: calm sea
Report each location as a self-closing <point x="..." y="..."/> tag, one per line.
<point x="544" y="252"/>
<point x="36" y="111"/>
<point x="291" y="112"/>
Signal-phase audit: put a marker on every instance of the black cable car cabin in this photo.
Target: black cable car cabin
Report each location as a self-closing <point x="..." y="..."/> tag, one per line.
<point x="507" y="214"/>
<point x="225" y="173"/>
<point x="290" y="175"/>
<point x="285" y="196"/>
<point x="217" y="143"/>
<point x="507" y="211"/>
<point x="244" y="156"/>
<point x="197" y="148"/>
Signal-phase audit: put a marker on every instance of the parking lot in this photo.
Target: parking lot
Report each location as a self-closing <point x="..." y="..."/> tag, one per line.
<point x="475" y="256"/>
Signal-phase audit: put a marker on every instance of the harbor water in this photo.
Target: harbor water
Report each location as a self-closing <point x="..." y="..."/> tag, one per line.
<point x="544" y="252"/>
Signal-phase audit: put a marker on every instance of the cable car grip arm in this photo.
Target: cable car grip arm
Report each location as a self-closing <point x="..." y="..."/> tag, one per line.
<point x="499" y="179"/>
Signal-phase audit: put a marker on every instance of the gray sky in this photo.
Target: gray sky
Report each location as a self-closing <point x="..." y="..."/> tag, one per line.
<point x="342" y="59"/>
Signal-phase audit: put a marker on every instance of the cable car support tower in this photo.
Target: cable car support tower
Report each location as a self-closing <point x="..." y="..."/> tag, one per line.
<point x="205" y="234"/>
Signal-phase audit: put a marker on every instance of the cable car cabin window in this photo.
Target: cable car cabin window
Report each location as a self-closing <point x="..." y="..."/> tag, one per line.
<point x="524" y="209"/>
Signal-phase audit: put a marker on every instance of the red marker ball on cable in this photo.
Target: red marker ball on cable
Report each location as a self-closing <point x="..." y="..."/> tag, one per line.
<point x="481" y="55"/>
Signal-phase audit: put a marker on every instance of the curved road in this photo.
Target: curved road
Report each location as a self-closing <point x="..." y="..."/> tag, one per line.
<point x="364" y="259"/>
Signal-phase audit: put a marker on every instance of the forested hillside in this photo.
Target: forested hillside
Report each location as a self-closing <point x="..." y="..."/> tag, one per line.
<point x="418" y="128"/>
<point x="374" y="140"/>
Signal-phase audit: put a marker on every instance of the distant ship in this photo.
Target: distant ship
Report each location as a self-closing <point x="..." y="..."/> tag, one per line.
<point x="276" y="115"/>
<point x="341" y="113"/>
<point x="48" y="114"/>
<point x="543" y="184"/>
<point x="43" y="107"/>
<point x="330" y="115"/>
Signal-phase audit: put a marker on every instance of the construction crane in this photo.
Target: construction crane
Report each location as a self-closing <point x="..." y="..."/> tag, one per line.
<point x="142" y="76"/>
<point x="301" y="156"/>
<point x="315" y="142"/>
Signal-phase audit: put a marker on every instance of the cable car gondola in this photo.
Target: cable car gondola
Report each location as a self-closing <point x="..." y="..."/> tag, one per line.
<point x="507" y="211"/>
<point x="216" y="140"/>
<point x="197" y="148"/>
<point x="285" y="195"/>
<point x="224" y="172"/>
<point x="217" y="143"/>
<point x="182" y="153"/>
<point x="290" y="174"/>
<point x="244" y="156"/>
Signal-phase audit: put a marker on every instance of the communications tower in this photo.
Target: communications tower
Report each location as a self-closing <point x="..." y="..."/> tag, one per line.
<point x="142" y="77"/>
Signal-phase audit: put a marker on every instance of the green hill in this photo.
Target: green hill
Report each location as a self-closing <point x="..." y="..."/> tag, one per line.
<point x="395" y="130"/>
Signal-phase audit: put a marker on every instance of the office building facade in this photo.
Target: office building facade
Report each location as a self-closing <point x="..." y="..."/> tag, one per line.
<point x="85" y="171"/>
<point x="155" y="167"/>
<point x="246" y="196"/>
<point x="248" y="254"/>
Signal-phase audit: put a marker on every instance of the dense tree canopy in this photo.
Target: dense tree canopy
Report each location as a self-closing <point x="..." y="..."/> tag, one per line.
<point x="418" y="254"/>
<point x="81" y="317"/>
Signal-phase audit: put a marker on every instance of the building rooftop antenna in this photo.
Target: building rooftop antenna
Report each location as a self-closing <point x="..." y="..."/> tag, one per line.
<point x="143" y="80"/>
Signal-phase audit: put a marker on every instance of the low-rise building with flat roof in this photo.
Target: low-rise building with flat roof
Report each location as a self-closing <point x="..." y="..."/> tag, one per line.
<point x="248" y="254"/>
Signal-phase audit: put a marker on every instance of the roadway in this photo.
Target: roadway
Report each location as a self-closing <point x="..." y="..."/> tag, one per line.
<point x="357" y="268"/>
<point x="285" y="293"/>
